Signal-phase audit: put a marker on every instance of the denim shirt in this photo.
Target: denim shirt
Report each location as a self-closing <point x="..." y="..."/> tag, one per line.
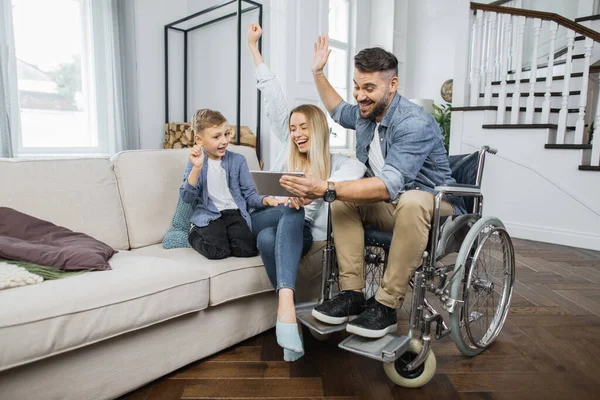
<point x="240" y="185"/>
<point x="412" y="146"/>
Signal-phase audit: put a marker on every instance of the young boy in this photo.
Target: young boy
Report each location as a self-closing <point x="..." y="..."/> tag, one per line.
<point x="217" y="182"/>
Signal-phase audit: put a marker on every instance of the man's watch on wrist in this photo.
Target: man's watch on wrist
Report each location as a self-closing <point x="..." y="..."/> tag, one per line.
<point x="330" y="194"/>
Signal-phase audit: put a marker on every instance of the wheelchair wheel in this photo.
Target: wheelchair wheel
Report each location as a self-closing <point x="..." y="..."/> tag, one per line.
<point x="398" y="374"/>
<point x="487" y="267"/>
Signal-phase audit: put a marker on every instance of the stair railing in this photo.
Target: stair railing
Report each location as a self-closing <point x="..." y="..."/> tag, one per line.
<point x="496" y="54"/>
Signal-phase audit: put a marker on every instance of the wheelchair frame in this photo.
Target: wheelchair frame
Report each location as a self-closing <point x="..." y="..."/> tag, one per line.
<point x="422" y="314"/>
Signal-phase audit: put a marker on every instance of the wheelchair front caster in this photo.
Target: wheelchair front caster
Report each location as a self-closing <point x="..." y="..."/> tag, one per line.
<point x="398" y="374"/>
<point x="321" y="337"/>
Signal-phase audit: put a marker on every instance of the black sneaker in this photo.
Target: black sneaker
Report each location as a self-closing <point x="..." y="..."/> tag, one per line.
<point x="376" y="321"/>
<point x="343" y="307"/>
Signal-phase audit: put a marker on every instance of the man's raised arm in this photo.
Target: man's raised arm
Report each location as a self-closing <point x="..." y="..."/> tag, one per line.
<point x="330" y="98"/>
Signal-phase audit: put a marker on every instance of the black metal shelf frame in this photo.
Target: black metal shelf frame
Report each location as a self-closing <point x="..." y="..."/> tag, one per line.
<point x="238" y="15"/>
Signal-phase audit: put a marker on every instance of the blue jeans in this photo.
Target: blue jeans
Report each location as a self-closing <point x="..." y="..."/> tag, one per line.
<point x="282" y="237"/>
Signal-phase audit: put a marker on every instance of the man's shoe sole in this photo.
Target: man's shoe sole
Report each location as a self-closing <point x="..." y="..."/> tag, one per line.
<point x="371" y="333"/>
<point x="332" y="320"/>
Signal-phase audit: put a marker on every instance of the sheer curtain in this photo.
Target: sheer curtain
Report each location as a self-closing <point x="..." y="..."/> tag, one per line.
<point x="113" y="31"/>
<point x="9" y="106"/>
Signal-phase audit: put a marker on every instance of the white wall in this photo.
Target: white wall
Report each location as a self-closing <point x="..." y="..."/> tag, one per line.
<point x="212" y="65"/>
<point x="151" y="16"/>
<point x="431" y="47"/>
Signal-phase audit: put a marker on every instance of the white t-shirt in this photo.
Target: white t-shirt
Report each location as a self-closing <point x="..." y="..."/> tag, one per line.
<point x="218" y="191"/>
<point x="376" y="160"/>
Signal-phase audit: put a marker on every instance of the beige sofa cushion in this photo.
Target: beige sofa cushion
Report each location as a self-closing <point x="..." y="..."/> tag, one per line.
<point x="56" y="316"/>
<point x="149" y="182"/>
<point x="231" y="278"/>
<point x="79" y="194"/>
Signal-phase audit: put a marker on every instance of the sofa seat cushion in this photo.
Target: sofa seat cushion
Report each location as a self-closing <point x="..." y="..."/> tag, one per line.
<point x="56" y="316"/>
<point x="230" y="278"/>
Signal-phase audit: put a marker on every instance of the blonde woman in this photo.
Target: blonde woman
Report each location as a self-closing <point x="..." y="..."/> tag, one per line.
<point x="284" y="234"/>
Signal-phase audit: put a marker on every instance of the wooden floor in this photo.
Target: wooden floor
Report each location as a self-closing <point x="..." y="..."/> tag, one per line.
<point x="549" y="349"/>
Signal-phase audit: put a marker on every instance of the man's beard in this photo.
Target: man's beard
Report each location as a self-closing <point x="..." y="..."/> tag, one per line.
<point x="380" y="107"/>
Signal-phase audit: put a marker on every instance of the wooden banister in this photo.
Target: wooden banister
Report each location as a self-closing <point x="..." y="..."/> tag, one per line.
<point x="567" y="23"/>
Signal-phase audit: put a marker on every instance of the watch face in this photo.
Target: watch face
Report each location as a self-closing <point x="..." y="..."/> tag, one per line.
<point x="329" y="196"/>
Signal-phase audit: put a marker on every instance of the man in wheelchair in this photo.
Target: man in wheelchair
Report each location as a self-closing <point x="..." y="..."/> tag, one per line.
<point x="402" y="147"/>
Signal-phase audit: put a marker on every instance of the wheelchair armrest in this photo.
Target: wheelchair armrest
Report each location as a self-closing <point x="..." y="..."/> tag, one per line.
<point x="460" y="190"/>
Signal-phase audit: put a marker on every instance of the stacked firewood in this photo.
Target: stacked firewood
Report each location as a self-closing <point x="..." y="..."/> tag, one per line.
<point x="180" y="134"/>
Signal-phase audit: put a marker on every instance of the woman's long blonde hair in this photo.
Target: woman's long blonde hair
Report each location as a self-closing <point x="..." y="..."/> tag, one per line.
<point x="317" y="161"/>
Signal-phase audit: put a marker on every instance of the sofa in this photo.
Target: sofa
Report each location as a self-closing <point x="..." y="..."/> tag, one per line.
<point x="101" y="334"/>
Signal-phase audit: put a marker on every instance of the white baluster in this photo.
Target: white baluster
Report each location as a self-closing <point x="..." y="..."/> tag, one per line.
<point x="564" y="111"/>
<point x="595" y="158"/>
<point x="487" y="99"/>
<point x="499" y="44"/>
<point x="474" y="75"/>
<point x="579" y="127"/>
<point x="514" y="115"/>
<point x="484" y="47"/>
<point x="546" y="106"/>
<point x="506" y="31"/>
<point x="537" y="27"/>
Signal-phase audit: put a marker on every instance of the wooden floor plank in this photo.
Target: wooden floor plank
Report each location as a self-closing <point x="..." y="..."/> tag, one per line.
<point x="253" y="388"/>
<point x="238" y="369"/>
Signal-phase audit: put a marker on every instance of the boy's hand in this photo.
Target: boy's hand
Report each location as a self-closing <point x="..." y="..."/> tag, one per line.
<point x="272" y="202"/>
<point x="197" y="156"/>
<point x="254" y="33"/>
<point x="320" y="54"/>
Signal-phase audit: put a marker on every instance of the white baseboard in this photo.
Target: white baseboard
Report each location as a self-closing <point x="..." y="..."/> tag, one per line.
<point x="586" y="240"/>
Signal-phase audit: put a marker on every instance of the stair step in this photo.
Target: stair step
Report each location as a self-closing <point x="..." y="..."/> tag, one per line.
<point x="522" y="109"/>
<point x="589" y="168"/>
<point x="541" y="66"/>
<point x="537" y="94"/>
<point x="525" y="126"/>
<point x="578" y="38"/>
<point x="568" y="146"/>
<point x="543" y="79"/>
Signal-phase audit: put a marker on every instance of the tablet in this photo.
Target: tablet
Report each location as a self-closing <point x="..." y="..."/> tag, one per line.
<point x="267" y="183"/>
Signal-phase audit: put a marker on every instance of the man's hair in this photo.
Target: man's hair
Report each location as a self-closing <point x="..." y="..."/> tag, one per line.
<point x="205" y="118"/>
<point x="376" y="59"/>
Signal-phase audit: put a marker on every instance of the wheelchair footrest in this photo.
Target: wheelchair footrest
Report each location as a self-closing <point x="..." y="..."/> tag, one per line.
<point x="386" y="349"/>
<point x="304" y="315"/>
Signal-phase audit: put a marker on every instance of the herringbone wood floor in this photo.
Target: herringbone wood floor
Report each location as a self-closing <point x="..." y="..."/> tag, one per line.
<point x="549" y="349"/>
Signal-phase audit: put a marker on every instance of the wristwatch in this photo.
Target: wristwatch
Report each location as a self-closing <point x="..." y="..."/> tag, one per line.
<point x="330" y="194"/>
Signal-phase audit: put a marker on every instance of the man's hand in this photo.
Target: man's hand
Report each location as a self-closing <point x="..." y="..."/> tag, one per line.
<point x="254" y="33"/>
<point x="197" y="156"/>
<point x="320" y="54"/>
<point x="272" y="202"/>
<point x="308" y="187"/>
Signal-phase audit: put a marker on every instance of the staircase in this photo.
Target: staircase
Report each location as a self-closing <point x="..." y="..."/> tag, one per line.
<point x="531" y="90"/>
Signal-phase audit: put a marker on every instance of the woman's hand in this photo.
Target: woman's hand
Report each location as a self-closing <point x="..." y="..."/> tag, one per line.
<point x="320" y="54"/>
<point x="272" y="202"/>
<point x="197" y="156"/>
<point x="254" y="33"/>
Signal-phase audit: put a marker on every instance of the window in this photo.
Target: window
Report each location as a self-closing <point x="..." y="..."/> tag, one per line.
<point x="55" y="77"/>
<point x="340" y="65"/>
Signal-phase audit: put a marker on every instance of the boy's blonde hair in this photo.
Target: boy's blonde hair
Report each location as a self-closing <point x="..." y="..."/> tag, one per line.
<point x="205" y="118"/>
<point x="317" y="161"/>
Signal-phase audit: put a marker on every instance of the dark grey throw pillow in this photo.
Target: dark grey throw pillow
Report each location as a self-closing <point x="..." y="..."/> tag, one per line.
<point x="26" y="238"/>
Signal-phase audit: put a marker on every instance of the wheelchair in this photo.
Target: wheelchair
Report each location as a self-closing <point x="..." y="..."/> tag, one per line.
<point x="474" y="291"/>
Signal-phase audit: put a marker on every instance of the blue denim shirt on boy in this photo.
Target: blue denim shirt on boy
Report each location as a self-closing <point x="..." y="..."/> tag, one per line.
<point x="412" y="146"/>
<point x="240" y="185"/>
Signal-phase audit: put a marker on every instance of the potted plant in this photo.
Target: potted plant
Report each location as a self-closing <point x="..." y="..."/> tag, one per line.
<point x="442" y="115"/>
